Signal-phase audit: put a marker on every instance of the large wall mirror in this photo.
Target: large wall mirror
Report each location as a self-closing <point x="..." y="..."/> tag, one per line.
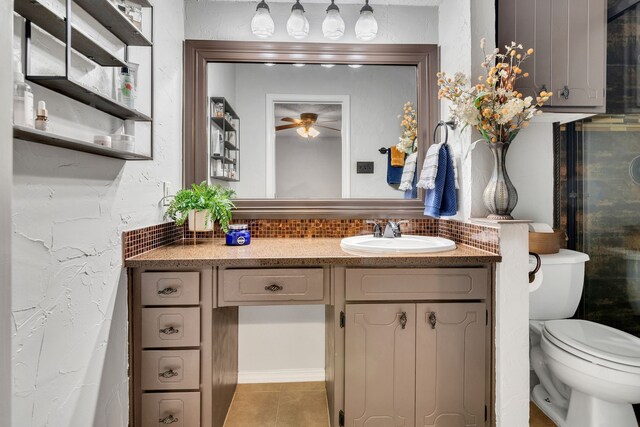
<point x="300" y="130"/>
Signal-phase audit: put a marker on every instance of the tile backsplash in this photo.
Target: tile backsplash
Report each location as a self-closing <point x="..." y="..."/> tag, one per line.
<point x="482" y="237"/>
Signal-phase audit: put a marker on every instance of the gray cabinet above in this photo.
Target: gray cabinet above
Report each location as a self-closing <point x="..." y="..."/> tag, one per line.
<point x="569" y="38"/>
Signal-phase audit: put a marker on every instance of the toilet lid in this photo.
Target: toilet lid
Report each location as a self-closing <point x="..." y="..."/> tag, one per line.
<point x="596" y="340"/>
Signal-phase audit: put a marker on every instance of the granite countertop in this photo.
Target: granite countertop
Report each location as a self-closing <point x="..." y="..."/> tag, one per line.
<point x="289" y="251"/>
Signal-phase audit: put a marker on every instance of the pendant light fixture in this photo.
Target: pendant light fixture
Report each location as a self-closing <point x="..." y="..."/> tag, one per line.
<point x="262" y="25"/>
<point x="297" y="25"/>
<point x="333" y="24"/>
<point x="367" y="26"/>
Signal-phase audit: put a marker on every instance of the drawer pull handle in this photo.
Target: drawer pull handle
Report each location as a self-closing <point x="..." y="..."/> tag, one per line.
<point x="169" y="331"/>
<point x="169" y="419"/>
<point x="432" y="319"/>
<point x="170" y="373"/>
<point x="403" y="319"/>
<point x="273" y="288"/>
<point x="167" y="291"/>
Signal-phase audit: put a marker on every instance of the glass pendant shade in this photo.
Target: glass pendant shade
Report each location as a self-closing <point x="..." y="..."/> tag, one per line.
<point x="297" y="25"/>
<point x="306" y="133"/>
<point x="333" y="24"/>
<point x="367" y="26"/>
<point x="262" y="25"/>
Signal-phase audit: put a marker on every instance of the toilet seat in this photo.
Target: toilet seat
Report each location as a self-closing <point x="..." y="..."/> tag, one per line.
<point x="596" y="343"/>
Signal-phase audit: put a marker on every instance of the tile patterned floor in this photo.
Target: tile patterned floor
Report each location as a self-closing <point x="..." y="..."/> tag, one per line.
<point x="300" y="404"/>
<point x="279" y="405"/>
<point x="537" y="418"/>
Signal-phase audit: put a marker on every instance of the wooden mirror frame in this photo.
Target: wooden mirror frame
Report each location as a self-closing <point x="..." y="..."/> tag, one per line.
<point x="198" y="53"/>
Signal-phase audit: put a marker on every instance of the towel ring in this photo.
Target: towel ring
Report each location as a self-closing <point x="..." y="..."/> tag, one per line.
<point x="450" y="124"/>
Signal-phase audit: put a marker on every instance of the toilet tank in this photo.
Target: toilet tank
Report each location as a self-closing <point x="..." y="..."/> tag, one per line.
<point x="556" y="292"/>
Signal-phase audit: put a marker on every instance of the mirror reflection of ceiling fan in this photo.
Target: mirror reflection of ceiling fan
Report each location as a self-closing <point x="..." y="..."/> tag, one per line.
<point x="305" y="126"/>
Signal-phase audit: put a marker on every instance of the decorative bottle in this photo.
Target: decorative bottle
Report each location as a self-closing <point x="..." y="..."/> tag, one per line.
<point x="22" y="98"/>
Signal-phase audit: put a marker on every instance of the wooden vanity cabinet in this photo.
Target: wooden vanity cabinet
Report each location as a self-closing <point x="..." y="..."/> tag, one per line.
<point x="404" y="346"/>
<point x="417" y="363"/>
<point x="570" y="40"/>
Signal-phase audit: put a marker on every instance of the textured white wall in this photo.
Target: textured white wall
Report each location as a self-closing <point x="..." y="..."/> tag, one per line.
<point x="6" y="161"/>
<point x="232" y="21"/>
<point x="317" y="176"/>
<point x="69" y="289"/>
<point x="530" y="166"/>
<point x="376" y="96"/>
<point x="462" y="24"/>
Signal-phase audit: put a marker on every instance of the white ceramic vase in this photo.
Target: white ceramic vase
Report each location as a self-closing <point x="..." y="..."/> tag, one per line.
<point x="198" y="221"/>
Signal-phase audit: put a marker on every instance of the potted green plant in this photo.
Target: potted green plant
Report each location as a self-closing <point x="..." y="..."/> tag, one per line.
<point x="203" y="205"/>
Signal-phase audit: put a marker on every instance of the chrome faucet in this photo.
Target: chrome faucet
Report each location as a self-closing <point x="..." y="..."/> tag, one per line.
<point x="393" y="229"/>
<point x="377" y="230"/>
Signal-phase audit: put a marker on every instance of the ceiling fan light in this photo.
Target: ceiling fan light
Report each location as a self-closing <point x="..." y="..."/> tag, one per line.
<point x="262" y="25"/>
<point x="333" y="24"/>
<point x="313" y="132"/>
<point x="302" y="132"/>
<point x="297" y="24"/>
<point x="367" y="26"/>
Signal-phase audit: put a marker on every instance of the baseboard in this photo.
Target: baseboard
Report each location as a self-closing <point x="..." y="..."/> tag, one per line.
<point x="282" y="376"/>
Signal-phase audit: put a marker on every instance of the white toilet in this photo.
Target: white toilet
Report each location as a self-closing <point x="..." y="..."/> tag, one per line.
<point x="589" y="373"/>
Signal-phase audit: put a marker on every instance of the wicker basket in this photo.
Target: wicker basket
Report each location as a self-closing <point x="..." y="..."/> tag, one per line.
<point x="546" y="243"/>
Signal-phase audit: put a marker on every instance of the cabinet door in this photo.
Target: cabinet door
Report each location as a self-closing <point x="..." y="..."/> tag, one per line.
<point x="380" y="365"/>
<point x="450" y="364"/>
<point x="579" y="29"/>
<point x="528" y="22"/>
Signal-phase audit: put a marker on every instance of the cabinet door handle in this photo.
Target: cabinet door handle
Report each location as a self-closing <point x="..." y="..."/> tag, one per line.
<point x="169" y="331"/>
<point x="565" y="92"/>
<point x="273" y="288"/>
<point x="403" y="319"/>
<point x="169" y="373"/>
<point x="432" y="319"/>
<point x="169" y="419"/>
<point x="543" y="88"/>
<point x="167" y="291"/>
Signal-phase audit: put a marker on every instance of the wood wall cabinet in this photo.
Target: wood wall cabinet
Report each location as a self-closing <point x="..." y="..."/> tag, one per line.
<point x="569" y="38"/>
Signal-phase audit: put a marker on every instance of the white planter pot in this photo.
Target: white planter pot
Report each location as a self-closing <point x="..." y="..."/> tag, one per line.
<point x="197" y="221"/>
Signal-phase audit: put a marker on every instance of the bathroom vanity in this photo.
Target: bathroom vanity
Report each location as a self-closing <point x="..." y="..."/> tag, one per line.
<point x="408" y="338"/>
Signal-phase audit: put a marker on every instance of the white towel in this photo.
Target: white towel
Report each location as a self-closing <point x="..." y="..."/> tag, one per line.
<point x="406" y="183"/>
<point x="430" y="168"/>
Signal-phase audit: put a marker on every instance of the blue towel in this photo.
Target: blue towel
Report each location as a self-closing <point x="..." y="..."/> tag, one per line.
<point x="442" y="199"/>
<point x="394" y="173"/>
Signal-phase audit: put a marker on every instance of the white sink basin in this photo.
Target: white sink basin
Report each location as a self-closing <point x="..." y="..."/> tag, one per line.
<point x="405" y="244"/>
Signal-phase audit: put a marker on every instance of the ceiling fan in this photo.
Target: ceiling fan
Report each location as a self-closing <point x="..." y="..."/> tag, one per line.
<point x="305" y="126"/>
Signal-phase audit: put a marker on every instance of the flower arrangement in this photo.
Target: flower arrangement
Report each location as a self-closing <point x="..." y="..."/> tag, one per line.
<point x="408" y="143"/>
<point x="493" y="106"/>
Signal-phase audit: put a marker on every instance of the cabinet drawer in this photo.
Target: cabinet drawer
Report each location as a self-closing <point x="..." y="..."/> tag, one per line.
<point x="170" y="288"/>
<point x="175" y="409"/>
<point x="261" y="286"/>
<point x="170" y="369"/>
<point x="388" y="284"/>
<point x="171" y="327"/>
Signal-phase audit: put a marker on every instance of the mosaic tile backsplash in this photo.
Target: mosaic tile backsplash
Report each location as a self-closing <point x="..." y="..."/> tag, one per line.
<point x="486" y="238"/>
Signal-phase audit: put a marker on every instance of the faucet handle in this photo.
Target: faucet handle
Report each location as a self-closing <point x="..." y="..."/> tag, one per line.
<point x="377" y="230"/>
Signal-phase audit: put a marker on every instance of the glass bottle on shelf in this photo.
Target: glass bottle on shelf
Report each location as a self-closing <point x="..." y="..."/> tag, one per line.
<point x="218" y="109"/>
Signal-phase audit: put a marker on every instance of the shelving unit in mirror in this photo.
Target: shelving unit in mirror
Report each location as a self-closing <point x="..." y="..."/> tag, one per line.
<point x="224" y="141"/>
